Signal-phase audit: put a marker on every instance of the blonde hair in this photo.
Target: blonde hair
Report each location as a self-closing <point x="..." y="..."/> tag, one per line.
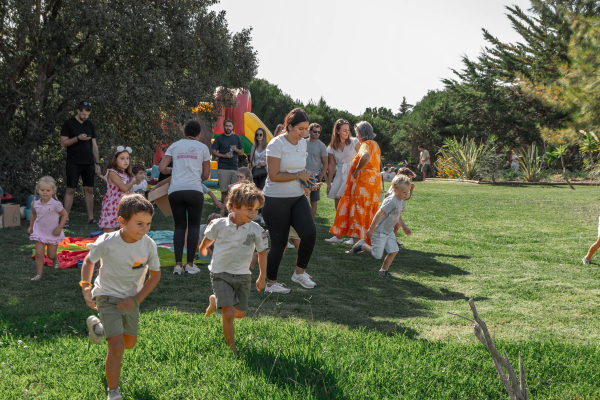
<point x="245" y="194"/>
<point x="400" y="181"/>
<point x="246" y="172"/>
<point x="48" y="180"/>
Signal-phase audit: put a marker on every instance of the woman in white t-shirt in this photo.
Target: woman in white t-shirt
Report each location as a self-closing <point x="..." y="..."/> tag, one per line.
<point x="285" y="201"/>
<point x="191" y="166"/>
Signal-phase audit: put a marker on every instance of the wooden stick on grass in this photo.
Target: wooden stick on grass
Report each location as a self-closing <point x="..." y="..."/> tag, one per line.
<point x="515" y="387"/>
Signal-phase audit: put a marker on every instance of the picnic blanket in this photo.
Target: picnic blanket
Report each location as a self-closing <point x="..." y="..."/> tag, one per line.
<point x="72" y="251"/>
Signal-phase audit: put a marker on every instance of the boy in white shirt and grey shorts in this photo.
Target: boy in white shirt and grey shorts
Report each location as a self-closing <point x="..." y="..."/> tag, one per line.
<point x="235" y="237"/>
<point x="381" y="232"/>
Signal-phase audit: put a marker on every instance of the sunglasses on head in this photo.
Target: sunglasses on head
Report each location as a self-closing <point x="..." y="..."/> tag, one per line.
<point x="343" y="121"/>
<point x="87" y="104"/>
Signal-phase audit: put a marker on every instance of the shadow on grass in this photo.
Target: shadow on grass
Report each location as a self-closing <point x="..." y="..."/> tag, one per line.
<point x="300" y="376"/>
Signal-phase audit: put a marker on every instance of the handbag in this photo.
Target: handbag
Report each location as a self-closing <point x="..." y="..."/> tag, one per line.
<point x="258" y="172"/>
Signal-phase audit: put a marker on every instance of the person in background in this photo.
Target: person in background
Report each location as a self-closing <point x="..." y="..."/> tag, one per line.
<point x="384" y="177"/>
<point x="139" y="171"/>
<point x="79" y="137"/>
<point x="316" y="162"/>
<point x="424" y="161"/>
<point x="278" y="130"/>
<point x="342" y="150"/>
<point x="360" y="201"/>
<point x="227" y="147"/>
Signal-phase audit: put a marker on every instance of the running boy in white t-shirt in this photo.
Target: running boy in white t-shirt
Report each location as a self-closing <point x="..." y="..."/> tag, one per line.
<point x="235" y="238"/>
<point x="125" y="256"/>
<point x="381" y="231"/>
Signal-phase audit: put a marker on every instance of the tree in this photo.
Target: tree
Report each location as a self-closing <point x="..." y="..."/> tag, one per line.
<point x="404" y="109"/>
<point x="135" y="61"/>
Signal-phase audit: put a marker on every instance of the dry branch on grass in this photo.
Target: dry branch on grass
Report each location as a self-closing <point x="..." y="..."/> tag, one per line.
<point x="515" y="387"/>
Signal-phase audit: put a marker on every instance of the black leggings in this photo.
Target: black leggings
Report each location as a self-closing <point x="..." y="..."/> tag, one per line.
<point x="187" y="213"/>
<point x="279" y="214"/>
<point x="260" y="181"/>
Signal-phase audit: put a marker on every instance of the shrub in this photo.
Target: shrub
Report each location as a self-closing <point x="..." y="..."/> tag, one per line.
<point x="532" y="163"/>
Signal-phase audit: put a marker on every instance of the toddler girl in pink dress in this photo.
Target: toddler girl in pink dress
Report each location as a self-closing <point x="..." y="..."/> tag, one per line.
<point x="119" y="180"/>
<point x="44" y="226"/>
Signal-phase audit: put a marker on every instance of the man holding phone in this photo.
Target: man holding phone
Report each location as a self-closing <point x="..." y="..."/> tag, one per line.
<point x="79" y="137"/>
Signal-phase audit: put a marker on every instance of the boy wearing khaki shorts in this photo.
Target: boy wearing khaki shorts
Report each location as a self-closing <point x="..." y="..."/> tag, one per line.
<point x="235" y="237"/>
<point x="125" y="256"/>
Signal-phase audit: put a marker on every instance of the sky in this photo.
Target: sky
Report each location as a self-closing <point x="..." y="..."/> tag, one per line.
<point x="367" y="53"/>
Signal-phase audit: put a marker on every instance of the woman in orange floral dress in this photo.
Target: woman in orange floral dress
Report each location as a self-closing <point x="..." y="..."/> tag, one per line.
<point x="360" y="200"/>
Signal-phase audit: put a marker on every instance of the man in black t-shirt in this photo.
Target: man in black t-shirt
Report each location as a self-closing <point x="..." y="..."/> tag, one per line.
<point x="79" y="137"/>
<point x="227" y="147"/>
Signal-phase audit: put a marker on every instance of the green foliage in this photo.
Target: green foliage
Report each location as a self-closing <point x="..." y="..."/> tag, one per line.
<point x="462" y="158"/>
<point x="133" y="60"/>
<point x="532" y="163"/>
<point x="589" y="145"/>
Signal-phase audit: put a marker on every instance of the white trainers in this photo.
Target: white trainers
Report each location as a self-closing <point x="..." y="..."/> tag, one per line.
<point x="277" y="288"/>
<point x="349" y="241"/>
<point x="290" y="246"/>
<point x="191" y="269"/>
<point x="91" y="323"/>
<point x="178" y="270"/>
<point x="334" y="240"/>
<point x="303" y="280"/>
<point x="114" y="395"/>
<point x="585" y="262"/>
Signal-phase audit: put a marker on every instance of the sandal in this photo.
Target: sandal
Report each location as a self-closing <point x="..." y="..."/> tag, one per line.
<point x="36" y="278"/>
<point x="92" y="221"/>
<point x="67" y="225"/>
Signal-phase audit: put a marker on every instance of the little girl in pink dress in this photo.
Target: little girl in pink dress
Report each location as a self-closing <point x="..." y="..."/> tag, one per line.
<point x="119" y="180"/>
<point x="44" y="225"/>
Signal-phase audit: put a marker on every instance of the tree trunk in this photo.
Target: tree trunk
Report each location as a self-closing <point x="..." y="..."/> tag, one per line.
<point x="562" y="161"/>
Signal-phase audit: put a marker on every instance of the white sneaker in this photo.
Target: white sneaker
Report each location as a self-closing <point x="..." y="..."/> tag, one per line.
<point x="290" y="246"/>
<point x="114" y="396"/>
<point x="91" y="322"/>
<point x="334" y="240"/>
<point x="349" y="241"/>
<point x="277" y="288"/>
<point x="585" y="262"/>
<point x="191" y="269"/>
<point x="178" y="270"/>
<point x="303" y="280"/>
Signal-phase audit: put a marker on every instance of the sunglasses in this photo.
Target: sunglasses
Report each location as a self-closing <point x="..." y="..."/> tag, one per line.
<point x="343" y="121"/>
<point x="121" y="148"/>
<point x="259" y="134"/>
<point x="317" y="132"/>
<point x="85" y="103"/>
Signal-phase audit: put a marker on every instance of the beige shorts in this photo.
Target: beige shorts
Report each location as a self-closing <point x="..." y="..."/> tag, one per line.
<point x="226" y="177"/>
<point x="115" y="321"/>
<point x="293" y="234"/>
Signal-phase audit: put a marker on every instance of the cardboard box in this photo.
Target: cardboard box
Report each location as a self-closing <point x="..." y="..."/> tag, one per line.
<point x="12" y="215"/>
<point x="159" y="195"/>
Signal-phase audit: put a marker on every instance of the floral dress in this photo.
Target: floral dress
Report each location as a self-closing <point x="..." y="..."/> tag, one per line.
<point x="360" y="200"/>
<point x="110" y="203"/>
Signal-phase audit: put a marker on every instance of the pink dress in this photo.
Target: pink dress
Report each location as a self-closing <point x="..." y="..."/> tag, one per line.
<point x="46" y="220"/>
<point x="110" y="203"/>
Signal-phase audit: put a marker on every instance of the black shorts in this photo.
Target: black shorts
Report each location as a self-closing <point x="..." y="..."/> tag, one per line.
<point x="86" y="171"/>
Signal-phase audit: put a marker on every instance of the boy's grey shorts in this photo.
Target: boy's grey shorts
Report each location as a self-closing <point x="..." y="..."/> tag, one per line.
<point x="231" y="289"/>
<point x="381" y="242"/>
<point x="115" y="321"/>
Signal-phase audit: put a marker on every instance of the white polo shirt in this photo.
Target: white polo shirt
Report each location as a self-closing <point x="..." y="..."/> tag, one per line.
<point x="234" y="245"/>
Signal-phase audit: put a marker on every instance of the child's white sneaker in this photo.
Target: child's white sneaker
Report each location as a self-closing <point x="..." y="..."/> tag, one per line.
<point x="585" y="262"/>
<point x="178" y="270"/>
<point x="91" y="322"/>
<point x="114" y="394"/>
<point x="277" y="288"/>
<point x="334" y="240"/>
<point x="303" y="280"/>
<point x="191" y="269"/>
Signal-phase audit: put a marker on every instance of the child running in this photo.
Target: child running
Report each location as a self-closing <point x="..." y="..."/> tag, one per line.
<point x="44" y="225"/>
<point x="411" y="175"/>
<point x="587" y="260"/>
<point x="381" y="231"/>
<point x="125" y="256"/>
<point x="119" y="182"/>
<point x="235" y="238"/>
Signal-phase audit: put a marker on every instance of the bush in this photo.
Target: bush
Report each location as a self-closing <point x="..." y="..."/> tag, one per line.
<point x="532" y="163"/>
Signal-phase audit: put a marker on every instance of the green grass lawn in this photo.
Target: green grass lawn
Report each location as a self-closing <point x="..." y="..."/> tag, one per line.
<point x="516" y="250"/>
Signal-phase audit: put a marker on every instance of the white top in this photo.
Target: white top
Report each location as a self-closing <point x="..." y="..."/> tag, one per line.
<point x="140" y="188"/>
<point x="346" y="156"/>
<point x="259" y="157"/>
<point x="188" y="156"/>
<point x="424" y="155"/>
<point x="392" y="207"/>
<point x="123" y="265"/>
<point x="293" y="159"/>
<point x="384" y="175"/>
<point x="234" y="245"/>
